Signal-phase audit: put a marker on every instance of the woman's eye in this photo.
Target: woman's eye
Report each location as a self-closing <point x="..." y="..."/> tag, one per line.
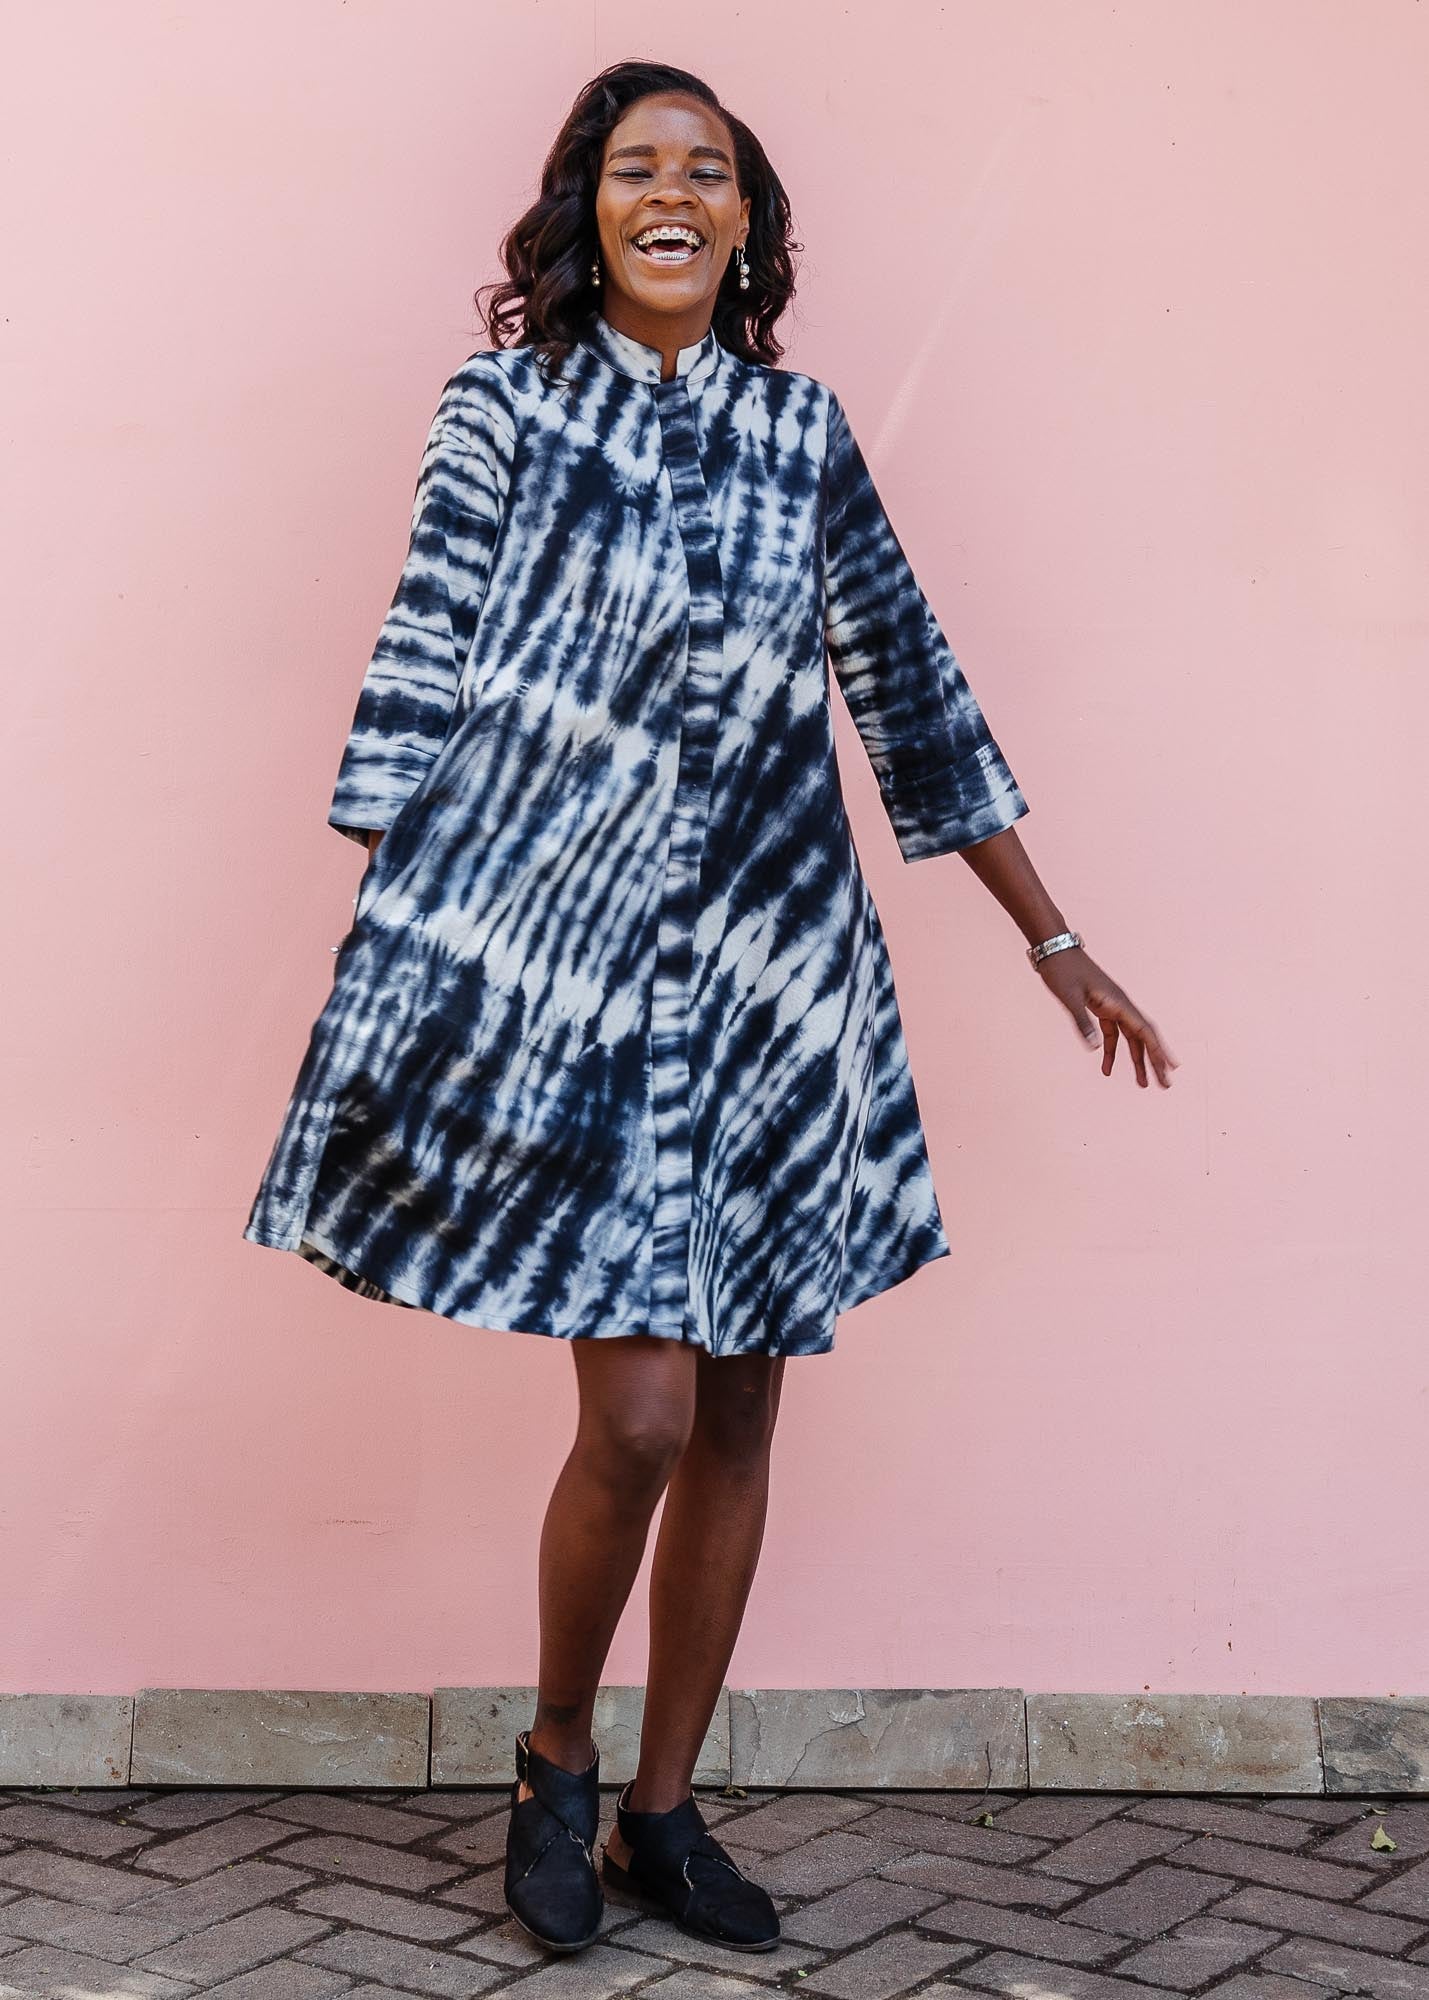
<point x="642" y="173"/>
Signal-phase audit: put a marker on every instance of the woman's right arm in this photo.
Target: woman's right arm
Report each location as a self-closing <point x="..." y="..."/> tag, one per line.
<point x="405" y="704"/>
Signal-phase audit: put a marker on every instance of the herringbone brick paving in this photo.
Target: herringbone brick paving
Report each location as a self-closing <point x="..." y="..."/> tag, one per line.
<point x="299" y="1895"/>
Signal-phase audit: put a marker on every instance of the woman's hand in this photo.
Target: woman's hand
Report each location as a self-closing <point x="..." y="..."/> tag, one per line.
<point x="1090" y="997"/>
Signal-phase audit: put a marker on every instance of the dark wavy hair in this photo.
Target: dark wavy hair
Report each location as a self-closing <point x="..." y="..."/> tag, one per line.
<point x="548" y="300"/>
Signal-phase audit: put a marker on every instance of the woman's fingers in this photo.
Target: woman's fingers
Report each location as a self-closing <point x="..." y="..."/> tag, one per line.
<point x="1161" y="1058"/>
<point x="1138" y="1059"/>
<point x="1103" y="1014"/>
<point x="1145" y="1045"/>
<point x="1086" y="1021"/>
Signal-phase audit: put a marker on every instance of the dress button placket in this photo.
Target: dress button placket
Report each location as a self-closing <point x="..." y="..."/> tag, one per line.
<point x="670" y="1015"/>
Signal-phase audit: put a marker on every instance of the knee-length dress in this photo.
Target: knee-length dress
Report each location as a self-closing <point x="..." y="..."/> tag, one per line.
<point x="612" y="1045"/>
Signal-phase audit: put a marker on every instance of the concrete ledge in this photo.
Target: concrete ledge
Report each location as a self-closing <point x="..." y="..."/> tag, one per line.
<point x="1375" y="1745"/>
<point x="955" y="1739"/>
<point x="924" y="1738"/>
<point x="1173" y="1743"/>
<point x="474" y="1734"/>
<point x="65" y="1739"/>
<point x="256" y="1736"/>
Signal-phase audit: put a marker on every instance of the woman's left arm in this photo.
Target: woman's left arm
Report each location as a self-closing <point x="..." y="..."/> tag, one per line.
<point x="1002" y="864"/>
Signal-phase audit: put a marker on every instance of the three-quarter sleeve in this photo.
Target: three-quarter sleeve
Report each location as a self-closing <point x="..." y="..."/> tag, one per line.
<point x="944" y="781"/>
<point x="406" y="701"/>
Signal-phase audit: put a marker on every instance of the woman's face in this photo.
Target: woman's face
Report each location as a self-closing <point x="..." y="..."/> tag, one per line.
<point x="669" y="161"/>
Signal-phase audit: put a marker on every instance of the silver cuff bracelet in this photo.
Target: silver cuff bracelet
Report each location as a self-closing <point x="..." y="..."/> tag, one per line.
<point x="1063" y="941"/>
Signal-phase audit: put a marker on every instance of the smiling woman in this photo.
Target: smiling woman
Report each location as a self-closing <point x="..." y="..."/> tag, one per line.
<point x="669" y="198"/>
<point x="649" y="148"/>
<point x="613" y="1052"/>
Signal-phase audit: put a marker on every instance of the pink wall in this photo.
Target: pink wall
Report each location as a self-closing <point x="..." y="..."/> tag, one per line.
<point x="1129" y="304"/>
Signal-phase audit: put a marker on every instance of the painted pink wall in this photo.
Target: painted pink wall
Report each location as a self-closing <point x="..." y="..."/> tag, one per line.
<point x="1129" y="305"/>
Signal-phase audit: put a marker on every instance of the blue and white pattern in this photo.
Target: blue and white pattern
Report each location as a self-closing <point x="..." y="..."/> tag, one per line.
<point x="612" y="1045"/>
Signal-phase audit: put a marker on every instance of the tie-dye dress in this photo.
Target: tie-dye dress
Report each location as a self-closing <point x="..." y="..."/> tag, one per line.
<point x="612" y="1045"/>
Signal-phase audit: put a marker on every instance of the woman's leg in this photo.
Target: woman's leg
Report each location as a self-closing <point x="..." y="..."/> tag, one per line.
<point x="705" y="1557"/>
<point x="637" y="1405"/>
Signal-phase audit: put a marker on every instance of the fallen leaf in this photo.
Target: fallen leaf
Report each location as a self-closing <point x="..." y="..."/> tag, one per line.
<point x="1382" y="1840"/>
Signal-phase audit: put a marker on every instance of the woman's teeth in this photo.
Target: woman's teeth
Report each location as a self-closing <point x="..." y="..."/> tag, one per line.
<point x="669" y="252"/>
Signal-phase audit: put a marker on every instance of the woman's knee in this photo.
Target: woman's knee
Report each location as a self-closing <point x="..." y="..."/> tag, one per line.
<point x="736" y="1407"/>
<point x="635" y="1421"/>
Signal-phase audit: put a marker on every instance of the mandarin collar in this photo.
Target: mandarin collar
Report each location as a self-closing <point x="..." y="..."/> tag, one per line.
<point x="633" y="358"/>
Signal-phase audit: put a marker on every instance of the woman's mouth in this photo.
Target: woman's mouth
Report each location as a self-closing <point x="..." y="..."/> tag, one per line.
<point x="668" y="243"/>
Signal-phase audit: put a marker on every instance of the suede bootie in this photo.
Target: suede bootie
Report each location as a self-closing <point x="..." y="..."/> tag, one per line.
<point x="551" y="1884"/>
<point x="679" y="1869"/>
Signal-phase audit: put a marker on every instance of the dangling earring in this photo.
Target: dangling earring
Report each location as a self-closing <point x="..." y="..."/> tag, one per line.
<point x="743" y="267"/>
<point x="595" y="271"/>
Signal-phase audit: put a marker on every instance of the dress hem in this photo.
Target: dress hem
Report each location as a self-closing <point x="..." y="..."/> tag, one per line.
<point x="333" y="1264"/>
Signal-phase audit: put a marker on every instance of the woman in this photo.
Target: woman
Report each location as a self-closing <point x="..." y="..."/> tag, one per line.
<point x="613" y="1052"/>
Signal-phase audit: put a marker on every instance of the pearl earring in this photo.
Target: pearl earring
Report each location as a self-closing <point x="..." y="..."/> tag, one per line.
<point x="743" y="268"/>
<point x="595" y="271"/>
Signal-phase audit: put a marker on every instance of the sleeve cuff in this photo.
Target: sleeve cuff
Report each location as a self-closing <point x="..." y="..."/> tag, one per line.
<point x="937" y="817"/>
<point x="372" y="789"/>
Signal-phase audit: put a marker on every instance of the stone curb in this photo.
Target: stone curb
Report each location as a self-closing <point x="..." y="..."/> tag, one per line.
<point x="936" y="1739"/>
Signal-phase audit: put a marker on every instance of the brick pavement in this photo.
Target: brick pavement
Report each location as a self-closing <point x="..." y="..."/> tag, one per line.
<point x="299" y="1895"/>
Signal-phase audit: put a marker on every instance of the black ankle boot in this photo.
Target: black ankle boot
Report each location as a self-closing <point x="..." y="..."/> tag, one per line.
<point x="678" y="1868"/>
<point x="551" y="1885"/>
